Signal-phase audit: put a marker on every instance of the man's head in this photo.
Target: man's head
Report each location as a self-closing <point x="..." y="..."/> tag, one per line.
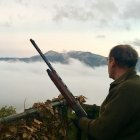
<point x="121" y="58"/>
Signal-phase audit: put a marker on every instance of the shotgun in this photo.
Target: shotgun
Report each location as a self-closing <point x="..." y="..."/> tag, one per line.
<point x="61" y="86"/>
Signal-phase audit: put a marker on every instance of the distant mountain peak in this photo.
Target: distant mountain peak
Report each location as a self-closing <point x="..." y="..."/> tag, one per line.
<point x="87" y="58"/>
<point x="51" y="52"/>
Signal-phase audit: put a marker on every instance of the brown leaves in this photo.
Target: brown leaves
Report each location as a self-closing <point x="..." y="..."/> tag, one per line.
<point x="50" y="123"/>
<point x="81" y="98"/>
<point x="47" y="107"/>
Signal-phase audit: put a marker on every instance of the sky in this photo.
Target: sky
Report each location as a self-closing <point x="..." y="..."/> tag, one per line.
<point x="64" y="25"/>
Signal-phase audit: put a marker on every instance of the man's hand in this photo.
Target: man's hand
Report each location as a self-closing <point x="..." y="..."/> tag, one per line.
<point x="76" y="122"/>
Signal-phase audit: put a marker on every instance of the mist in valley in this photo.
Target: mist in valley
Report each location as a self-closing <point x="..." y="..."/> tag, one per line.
<point x="28" y="82"/>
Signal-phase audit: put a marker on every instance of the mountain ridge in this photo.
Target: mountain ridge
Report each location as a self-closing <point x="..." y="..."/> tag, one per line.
<point x="88" y="58"/>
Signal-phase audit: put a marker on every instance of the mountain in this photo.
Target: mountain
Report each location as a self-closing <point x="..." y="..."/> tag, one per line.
<point x="87" y="58"/>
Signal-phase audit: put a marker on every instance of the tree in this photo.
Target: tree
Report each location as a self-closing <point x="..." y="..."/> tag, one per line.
<point x="6" y="111"/>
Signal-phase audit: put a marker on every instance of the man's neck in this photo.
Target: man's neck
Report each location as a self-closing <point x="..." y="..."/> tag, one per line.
<point x="120" y="72"/>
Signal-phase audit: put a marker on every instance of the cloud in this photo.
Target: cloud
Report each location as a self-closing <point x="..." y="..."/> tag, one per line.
<point x="136" y="42"/>
<point x="101" y="13"/>
<point x="86" y="10"/>
<point x="131" y="10"/>
<point x="100" y="36"/>
<point x="6" y="24"/>
<point x="20" y="81"/>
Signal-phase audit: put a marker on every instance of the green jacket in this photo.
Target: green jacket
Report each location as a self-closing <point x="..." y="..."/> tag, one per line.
<point x="119" y="117"/>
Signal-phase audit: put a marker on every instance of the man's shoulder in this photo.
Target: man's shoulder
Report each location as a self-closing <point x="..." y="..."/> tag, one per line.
<point x="131" y="86"/>
<point x="133" y="81"/>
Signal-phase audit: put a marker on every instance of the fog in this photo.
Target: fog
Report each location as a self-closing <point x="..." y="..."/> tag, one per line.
<point x="29" y="82"/>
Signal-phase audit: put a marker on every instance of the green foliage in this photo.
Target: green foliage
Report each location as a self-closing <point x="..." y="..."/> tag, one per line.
<point x="6" y="111"/>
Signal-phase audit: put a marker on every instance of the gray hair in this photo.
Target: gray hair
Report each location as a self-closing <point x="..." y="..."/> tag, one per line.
<point x="124" y="55"/>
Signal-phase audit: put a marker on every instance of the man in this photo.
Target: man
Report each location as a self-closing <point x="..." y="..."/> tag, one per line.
<point x="119" y="117"/>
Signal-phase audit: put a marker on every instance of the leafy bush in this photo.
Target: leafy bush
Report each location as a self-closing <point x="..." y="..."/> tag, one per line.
<point x="6" y="111"/>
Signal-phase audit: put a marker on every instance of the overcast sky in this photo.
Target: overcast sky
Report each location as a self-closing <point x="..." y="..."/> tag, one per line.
<point x="63" y="25"/>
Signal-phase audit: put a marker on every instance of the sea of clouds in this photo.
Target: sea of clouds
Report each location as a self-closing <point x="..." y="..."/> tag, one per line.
<point x="28" y="82"/>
